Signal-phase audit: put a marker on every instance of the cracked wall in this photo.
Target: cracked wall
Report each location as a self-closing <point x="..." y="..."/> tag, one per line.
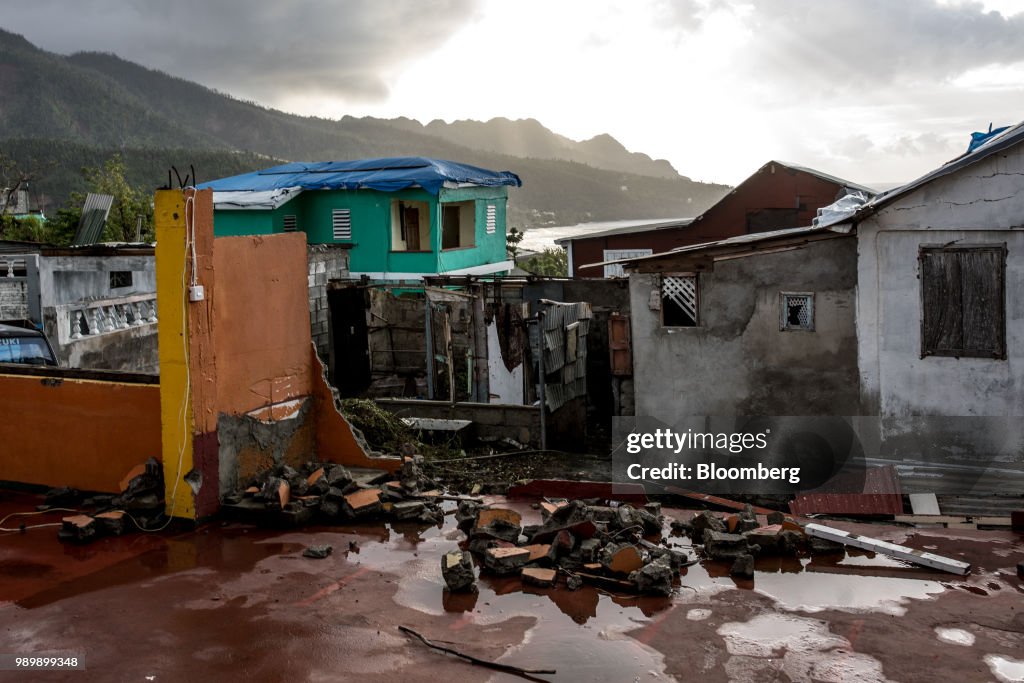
<point x="738" y="362"/>
<point x="980" y="205"/>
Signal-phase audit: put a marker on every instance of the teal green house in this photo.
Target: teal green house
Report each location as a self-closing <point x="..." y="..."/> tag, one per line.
<point x="402" y="218"/>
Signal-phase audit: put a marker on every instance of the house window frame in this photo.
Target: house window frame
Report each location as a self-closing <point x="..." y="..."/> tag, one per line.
<point x="697" y="300"/>
<point x="462" y="207"/>
<point x="395" y="226"/>
<point x="121" y="279"/>
<point x="784" y="325"/>
<point x="1000" y="248"/>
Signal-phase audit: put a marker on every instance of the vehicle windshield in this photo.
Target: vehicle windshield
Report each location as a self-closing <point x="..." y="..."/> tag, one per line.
<point x="29" y="350"/>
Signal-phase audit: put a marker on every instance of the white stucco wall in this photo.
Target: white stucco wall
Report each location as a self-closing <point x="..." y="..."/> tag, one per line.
<point x="983" y="204"/>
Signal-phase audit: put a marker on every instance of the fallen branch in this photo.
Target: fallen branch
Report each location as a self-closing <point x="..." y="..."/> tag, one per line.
<point x="507" y="668"/>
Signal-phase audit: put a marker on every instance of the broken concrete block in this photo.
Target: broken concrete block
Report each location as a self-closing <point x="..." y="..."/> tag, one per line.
<point x="573" y="582"/>
<point x="621" y="559"/>
<point x="489" y="515"/>
<point x="653" y="508"/>
<point x="538" y="551"/>
<point x="498" y="528"/>
<point x="562" y="544"/>
<point x="337" y="476"/>
<point x="767" y="537"/>
<point x="466" y="514"/>
<point x="704" y="521"/>
<point x="78" y="529"/>
<point x="589" y="550"/>
<point x="407" y="509"/>
<point x="317" y="552"/>
<point x="330" y="508"/>
<point x="361" y="503"/>
<point x="545" y="578"/>
<point x="743" y="566"/>
<point x="776" y="518"/>
<point x="719" y="545"/>
<point x="675" y="559"/>
<point x="115" y="522"/>
<point x="315" y="476"/>
<point x="136" y="471"/>
<point x="506" y="560"/>
<point x="547" y="509"/>
<point x="457" y="570"/>
<point x="600" y="513"/>
<point x="790" y="542"/>
<point x="431" y="514"/>
<point x="411" y="474"/>
<point x="654" y="577"/>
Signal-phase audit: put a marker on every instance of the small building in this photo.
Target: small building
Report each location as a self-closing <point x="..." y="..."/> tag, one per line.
<point x="400" y="218"/>
<point x="940" y="304"/>
<point x="777" y="196"/>
<point x="755" y="325"/>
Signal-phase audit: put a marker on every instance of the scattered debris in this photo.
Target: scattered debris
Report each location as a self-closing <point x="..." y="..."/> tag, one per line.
<point x="317" y="552"/>
<point x="139" y="505"/>
<point x="457" y="570"/>
<point x="497" y="666"/>
<point x="545" y="578"/>
<point x="743" y="566"/>
<point x="900" y="552"/>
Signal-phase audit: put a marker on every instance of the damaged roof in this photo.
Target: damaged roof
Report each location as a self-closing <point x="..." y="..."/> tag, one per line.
<point x="1008" y="138"/>
<point x="750" y="242"/>
<point x="272" y="186"/>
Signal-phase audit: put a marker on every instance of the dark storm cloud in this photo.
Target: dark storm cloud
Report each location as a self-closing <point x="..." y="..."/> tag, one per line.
<point x="259" y="50"/>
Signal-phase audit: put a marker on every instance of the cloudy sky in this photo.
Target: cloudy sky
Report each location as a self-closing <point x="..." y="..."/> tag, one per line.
<point x="871" y="90"/>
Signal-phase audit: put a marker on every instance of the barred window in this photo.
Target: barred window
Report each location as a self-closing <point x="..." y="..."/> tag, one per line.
<point x="679" y="301"/>
<point x="797" y="311"/>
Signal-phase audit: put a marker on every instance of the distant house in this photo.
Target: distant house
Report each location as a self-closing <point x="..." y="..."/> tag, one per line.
<point x="778" y="195"/>
<point x="401" y="218"/>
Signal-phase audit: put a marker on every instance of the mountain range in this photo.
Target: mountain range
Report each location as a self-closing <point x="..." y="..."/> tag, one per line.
<point x="59" y="113"/>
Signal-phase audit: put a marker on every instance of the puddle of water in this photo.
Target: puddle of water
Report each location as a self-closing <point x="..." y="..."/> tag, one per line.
<point x="698" y="614"/>
<point x="1005" y="669"/>
<point x="803" y="649"/>
<point x="955" y="636"/>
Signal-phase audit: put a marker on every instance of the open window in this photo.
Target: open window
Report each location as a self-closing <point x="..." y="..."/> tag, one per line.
<point x="679" y="301"/>
<point x="410" y="226"/>
<point x="963" y="301"/>
<point x="458" y="225"/>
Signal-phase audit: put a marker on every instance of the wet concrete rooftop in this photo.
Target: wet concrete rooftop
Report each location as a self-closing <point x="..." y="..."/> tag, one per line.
<point x="232" y="602"/>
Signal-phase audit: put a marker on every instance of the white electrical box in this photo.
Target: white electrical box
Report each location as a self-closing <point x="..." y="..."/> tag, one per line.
<point x="196" y="293"/>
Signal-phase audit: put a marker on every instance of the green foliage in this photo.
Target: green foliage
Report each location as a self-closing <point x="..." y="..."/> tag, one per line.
<point x="512" y="240"/>
<point x="553" y="262"/>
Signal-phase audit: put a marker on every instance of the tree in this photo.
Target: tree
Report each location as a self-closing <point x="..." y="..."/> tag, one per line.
<point x="130" y="206"/>
<point x="553" y="262"/>
<point x="512" y="240"/>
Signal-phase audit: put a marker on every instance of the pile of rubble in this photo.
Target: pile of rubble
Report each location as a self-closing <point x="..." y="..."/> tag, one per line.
<point x="740" y="537"/>
<point x="327" y="493"/>
<point x="578" y="542"/>
<point x="139" y="505"/>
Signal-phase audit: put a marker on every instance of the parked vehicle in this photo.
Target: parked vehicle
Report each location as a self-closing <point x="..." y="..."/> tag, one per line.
<point x="25" y="345"/>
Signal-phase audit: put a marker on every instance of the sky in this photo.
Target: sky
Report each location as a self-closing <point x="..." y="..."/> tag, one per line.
<point x="875" y="91"/>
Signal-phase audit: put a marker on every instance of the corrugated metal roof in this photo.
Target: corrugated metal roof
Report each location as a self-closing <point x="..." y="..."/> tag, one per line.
<point x="826" y="176"/>
<point x="628" y="230"/>
<point x="882" y="495"/>
<point x="94" y="217"/>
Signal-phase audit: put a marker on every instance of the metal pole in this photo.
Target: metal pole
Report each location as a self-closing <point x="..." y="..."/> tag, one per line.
<point x="429" y="329"/>
<point x="542" y="378"/>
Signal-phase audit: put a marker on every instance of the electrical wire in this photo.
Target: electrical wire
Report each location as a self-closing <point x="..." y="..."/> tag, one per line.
<point x="35" y="512"/>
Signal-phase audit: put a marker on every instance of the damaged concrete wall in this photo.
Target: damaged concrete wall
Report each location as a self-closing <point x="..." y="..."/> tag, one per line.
<point x="13" y="297"/>
<point x="74" y="428"/>
<point x="979" y="206"/>
<point x="326" y="262"/>
<point x="738" y="361"/>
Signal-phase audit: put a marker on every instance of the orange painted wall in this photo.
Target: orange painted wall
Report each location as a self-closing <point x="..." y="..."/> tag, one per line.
<point x="261" y="318"/>
<point x="80" y="433"/>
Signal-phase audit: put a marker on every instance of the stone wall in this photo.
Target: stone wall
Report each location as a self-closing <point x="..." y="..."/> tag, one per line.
<point x="13" y="298"/>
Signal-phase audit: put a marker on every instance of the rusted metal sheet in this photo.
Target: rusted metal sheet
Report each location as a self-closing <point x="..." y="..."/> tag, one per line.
<point x="881" y="496"/>
<point x="707" y="498"/>
<point x="619" y="345"/>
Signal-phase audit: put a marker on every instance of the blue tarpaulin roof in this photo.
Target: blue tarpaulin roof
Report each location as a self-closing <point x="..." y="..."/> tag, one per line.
<point x="385" y="175"/>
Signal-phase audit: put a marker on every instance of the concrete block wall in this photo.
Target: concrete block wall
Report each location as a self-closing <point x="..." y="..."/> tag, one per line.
<point x="326" y="262"/>
<point x="13" y="298"/>
<point x="521" y="423"/>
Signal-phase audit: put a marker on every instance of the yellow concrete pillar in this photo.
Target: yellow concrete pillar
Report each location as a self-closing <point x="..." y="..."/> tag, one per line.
<point x="172" y="269"/>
